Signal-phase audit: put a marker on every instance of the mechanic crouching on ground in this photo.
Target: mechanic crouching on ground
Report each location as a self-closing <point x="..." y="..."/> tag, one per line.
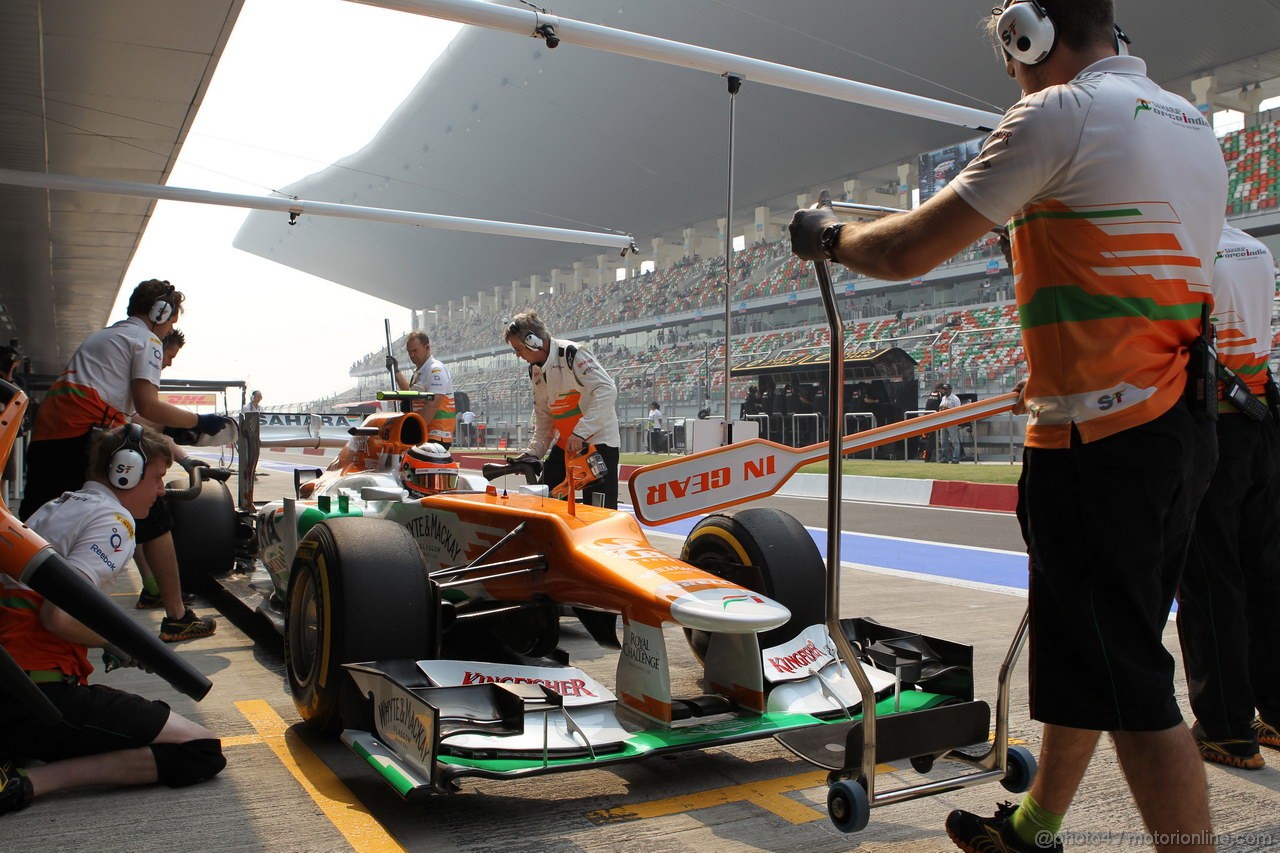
<point x="1093" y="168"/>
<point x="573" y="405"/>
<point x="106" y="736"/>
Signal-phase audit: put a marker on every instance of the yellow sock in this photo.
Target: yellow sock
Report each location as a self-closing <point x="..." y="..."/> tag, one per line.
<point x="1031" y="819"/>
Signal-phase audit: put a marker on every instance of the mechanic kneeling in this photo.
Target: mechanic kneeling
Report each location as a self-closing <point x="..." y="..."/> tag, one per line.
<point x="106" y="736"/>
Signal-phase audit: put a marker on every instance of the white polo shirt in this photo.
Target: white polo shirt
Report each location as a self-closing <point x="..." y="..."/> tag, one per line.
<point x="1115" y="192"/>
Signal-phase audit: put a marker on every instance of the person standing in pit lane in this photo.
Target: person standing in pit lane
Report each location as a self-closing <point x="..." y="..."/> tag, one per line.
<point x="430" y="375"/>
<point x="1113" y="190"/>
<point x="113" y="376"/>
<point x="1230" y="590"/>
<point x="574" y="405"/>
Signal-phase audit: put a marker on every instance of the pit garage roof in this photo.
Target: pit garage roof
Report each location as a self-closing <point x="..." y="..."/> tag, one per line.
<point x="501" y="127"/>
<point x="102" y="90"/>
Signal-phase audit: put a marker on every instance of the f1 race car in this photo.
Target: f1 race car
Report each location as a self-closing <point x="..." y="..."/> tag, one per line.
<point x="424" y="626"/>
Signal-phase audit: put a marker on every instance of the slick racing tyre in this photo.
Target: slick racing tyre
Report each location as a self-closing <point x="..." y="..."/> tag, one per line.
<point x="358" y="591"/>
<point x="204" y="534"/>
<point x="766" y="551"/>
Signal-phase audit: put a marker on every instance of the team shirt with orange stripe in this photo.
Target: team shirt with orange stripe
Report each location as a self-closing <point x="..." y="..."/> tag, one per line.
<point x="572" y="393"/>
<point x="1114" y="191"/>
<point x="1244" y="286"/>
<point x="434" y="377"/>
<point x="95" y="534"/>
<point x="96" y="389"/>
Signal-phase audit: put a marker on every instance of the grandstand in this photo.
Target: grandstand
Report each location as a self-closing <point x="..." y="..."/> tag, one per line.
<point x="660" y="331"/>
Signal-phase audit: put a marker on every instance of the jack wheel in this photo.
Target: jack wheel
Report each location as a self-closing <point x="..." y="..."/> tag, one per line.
<point x="922" y="763"/>
<point x="848" y="806"/>
<point x="1020" y="770"/>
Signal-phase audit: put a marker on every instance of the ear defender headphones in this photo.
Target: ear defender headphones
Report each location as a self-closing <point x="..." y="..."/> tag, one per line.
<point x="1026" y="31"/>
<point x="128" y="462"/>
<point x="162" y="308"/>
<point x="530" y="340"/>
<point x="1028" y="35"/>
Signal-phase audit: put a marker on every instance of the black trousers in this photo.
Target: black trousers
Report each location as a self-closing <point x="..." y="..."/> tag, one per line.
<point x="1229" y="599"/>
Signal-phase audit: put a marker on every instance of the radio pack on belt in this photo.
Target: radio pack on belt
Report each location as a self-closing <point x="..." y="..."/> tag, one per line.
<point x="1202" y="371"/>
<point x="1237" y="394"/>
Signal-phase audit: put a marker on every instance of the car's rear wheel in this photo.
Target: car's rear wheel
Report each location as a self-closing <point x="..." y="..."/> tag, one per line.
<point x="204" y="534"/>
<point x="358" y="591"/>
<point x="766" y="551"/>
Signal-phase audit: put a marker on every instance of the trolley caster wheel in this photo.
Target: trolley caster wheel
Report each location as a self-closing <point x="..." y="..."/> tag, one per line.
<point x="922" y="763"/>
<point x="1020" y="770"/>
<point x="848" y="806"/>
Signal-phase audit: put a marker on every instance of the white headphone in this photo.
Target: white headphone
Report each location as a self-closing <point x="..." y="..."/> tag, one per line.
<point x="1026" y="31"/>
<point x="530" y="340"/>
<point x="1028" y="35"/>
<point x="129" y="461"/>
<point x="162" y="308"/>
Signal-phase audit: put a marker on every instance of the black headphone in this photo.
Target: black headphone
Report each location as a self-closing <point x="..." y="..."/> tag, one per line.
<point x="162" y="308"/>
<point x="1026" y="31"/>
<point x="129" y="461"/>
<point x="530" y="340"/>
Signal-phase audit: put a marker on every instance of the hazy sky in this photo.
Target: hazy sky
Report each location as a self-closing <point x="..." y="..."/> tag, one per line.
<point x="302" y="83"/>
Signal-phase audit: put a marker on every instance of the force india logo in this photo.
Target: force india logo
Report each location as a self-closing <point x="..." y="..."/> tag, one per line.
<point x="1142" y="105"/>
<point x="565" y="687"/>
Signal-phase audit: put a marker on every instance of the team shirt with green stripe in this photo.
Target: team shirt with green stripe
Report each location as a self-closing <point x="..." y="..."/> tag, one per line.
<point x="1114" y="192"/>
<point x="1244" y="287"/>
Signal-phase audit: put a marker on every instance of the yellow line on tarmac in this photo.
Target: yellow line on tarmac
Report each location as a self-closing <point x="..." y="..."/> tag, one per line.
<point x="767" y="793"/>
<point x="344" y="811"/>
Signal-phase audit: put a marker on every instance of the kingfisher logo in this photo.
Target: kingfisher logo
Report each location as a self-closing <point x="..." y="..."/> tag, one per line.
<point x="800" y="660"/>
<point x="565" y="686"/>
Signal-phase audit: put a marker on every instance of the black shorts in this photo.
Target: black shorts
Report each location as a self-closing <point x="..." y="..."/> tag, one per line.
<point x="96" y="719"/>
<point x="53" y="467"/>
<point x="1107" y="525"/>
<point x="157" y="523"/>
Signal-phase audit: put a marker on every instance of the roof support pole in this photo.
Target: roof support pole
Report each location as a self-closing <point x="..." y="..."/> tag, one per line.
<point x="297" y="207"/>
<point x="735" y="83"/>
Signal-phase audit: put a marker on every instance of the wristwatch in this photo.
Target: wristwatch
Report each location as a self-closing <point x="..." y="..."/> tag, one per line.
<point x="829" y="240"/>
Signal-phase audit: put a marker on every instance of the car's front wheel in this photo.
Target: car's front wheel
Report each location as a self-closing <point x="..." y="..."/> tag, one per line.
<point x="358" y="591"/>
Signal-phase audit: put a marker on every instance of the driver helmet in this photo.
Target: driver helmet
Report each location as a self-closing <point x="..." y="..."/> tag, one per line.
<point x="429" y="468"/>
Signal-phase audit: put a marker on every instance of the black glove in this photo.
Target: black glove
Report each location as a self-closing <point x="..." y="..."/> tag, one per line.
<point x="392" y="364"/>
<point x="210" y="424"/>
<point x="182" y="435"/>
<point x="190" y="464"/>
<point x="807" y="227"/>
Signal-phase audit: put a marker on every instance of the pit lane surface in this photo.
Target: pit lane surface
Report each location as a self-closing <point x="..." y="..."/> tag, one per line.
<point x="285" y="790"/>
